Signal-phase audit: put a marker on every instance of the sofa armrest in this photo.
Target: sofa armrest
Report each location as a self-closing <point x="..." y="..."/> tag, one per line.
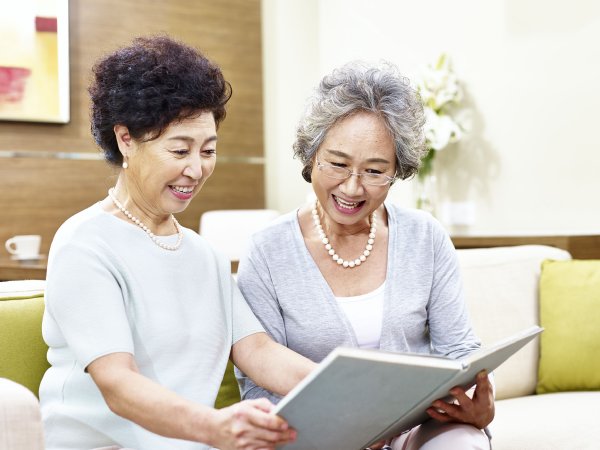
<point x="20" y="418"/>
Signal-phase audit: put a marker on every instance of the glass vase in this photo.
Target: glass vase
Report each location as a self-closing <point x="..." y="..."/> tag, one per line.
<point x="426" y="192"/>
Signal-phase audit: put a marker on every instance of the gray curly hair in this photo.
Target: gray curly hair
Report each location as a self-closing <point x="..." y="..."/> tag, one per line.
<point x="357" y="86"/>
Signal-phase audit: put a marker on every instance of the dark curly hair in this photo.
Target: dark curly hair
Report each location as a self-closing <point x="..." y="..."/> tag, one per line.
<point x="150" y="84"/>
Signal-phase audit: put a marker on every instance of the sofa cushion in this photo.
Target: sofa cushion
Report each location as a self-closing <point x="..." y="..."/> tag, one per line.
<point x="501" y="291"/>
<point x="20" y="420"/>
<point x="14" y="290"/>
<point x="550" y="422"/>
<point x="229" y="392"/>
<point x="22" y="349"/>
<point x="570" y="315"/>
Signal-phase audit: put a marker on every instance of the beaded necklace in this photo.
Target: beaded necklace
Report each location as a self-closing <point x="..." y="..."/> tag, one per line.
<point x="329" y="249"/>
<point x="139" y="223"/>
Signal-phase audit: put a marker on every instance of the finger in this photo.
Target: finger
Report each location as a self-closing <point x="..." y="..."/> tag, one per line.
<point x="482" y="383"/>
<point x="259" y="418"/>
<point x="460" y="395"/>
<point x="438" y="415"/>
<point x="262" y="437"/>
<point x="261" y="403"/>
<point x="484" y="391"/>
<point x="246" y="434"/>
<point x="457" y="413"/>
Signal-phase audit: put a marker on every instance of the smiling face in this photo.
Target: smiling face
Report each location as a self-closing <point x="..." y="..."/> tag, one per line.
<point x="360" y="143"/>
<point x="166" y="173"/>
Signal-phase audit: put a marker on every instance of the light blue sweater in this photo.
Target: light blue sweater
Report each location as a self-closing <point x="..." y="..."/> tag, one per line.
<point x="111" y="289"/>
<point x="424" y="308"/>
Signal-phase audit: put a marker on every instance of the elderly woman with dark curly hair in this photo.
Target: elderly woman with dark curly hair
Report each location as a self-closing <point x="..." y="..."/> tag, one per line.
<point x="373" y="274"/>
<point x="141" y="314"/>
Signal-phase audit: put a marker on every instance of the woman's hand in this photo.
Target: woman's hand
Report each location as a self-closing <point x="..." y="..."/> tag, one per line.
<point x="381" y="445"/>
<point x="249" y="425"/>
<point x="477" y="411"/>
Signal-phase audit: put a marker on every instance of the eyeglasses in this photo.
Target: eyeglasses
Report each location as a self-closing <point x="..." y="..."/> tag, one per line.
<point x="341" y="173"/>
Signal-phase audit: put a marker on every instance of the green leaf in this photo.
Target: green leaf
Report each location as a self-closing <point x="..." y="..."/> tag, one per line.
<point x="426" y="164"/>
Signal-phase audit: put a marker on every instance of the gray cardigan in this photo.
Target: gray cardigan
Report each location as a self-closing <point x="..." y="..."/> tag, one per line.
<point x="424" y="308"/>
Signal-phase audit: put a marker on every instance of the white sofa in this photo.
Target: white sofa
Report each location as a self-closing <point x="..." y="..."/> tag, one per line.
<point x="20" y="421"/>
<point x="501" y="286"/>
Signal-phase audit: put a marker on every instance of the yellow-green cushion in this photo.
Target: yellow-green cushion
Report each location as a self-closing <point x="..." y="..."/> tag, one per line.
<point x="22" y="349"/>
<point x="570" y="315"/>
<point x="229" y="392"/>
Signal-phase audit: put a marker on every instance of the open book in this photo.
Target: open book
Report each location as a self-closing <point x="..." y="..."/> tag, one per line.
<point x="357" y="396"/>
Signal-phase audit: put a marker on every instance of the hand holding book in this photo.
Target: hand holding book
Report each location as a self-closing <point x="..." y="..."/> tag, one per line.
<point x="477" y="410"/>
<point x="474" y="406"/>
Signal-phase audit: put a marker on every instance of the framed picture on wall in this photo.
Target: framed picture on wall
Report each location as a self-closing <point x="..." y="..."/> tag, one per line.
<point x="34" y="61"/>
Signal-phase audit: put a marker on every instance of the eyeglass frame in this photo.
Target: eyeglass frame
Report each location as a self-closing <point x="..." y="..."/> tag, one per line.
<point x="389" y="180"/>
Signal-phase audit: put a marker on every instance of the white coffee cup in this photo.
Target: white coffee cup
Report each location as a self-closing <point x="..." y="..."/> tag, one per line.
<point x="25" y="246"/>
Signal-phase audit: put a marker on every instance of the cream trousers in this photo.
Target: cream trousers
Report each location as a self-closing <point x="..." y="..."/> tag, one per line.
<point x="434" y="435"/>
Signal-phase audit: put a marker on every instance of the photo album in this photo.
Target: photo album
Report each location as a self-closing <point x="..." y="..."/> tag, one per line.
<point x="357" y="396"/>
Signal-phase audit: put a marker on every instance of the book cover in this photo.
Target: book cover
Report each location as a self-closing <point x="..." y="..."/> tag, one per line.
<point x="357" y="396"/>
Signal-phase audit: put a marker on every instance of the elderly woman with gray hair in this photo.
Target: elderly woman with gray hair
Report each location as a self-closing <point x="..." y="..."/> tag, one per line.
<point x="353" y="270"/>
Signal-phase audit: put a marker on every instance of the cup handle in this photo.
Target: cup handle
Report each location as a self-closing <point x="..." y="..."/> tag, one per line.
<point x="9" y="247"/>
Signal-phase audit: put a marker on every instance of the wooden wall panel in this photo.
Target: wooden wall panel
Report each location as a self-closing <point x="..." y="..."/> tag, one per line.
<point x="38" y="194"/>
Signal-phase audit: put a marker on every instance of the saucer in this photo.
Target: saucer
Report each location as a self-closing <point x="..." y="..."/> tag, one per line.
<point x="27" y="257"/>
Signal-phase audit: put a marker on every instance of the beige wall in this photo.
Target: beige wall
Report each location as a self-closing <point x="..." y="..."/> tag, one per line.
<point x="530" y="69"/>
<point x="290" y="53"/>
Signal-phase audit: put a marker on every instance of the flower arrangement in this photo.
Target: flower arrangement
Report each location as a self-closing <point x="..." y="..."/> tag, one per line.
<point x="441" y="95"/>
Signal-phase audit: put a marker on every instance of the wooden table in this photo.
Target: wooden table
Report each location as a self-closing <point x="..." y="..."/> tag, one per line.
<point x="22" y="270"/>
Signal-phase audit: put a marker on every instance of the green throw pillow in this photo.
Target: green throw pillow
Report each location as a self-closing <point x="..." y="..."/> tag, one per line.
<point x="570" y="315"/>
<point x="229" y="392"/>
<point x="22" y="349"/>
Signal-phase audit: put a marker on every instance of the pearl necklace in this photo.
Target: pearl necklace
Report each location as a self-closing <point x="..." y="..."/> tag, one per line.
<point x="342" y="262"/>
<point x="139" y="223"/>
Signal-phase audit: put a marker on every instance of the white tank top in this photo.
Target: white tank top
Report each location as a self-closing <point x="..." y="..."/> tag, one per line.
<point x="365" y="313"/>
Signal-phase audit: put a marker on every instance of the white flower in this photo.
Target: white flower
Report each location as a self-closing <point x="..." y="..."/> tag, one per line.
<point x="438" y="88"/>
<point x="441" y="94"/>
<point x="440" y="129"/>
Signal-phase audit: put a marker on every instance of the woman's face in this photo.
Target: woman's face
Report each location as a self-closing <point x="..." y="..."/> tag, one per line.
<point x="164" y="174"/>
<point x="360" y="143"/>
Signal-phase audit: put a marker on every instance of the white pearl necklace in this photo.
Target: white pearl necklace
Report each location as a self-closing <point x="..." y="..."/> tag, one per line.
<point x="139" y="223"/>
<point x="342" y="262"/>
